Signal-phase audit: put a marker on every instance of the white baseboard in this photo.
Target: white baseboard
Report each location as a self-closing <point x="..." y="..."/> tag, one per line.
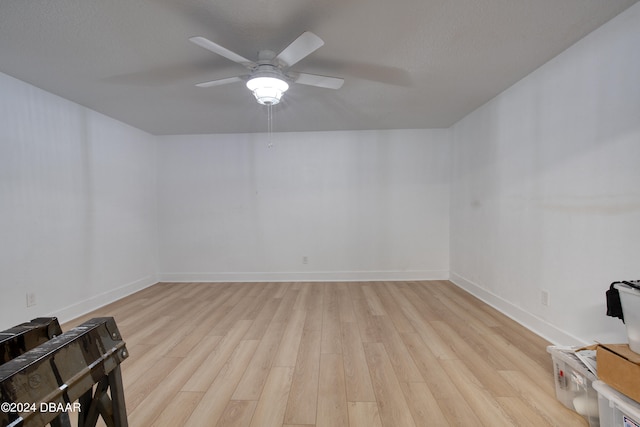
<point x="83" y="307"/>
<point x="298" y="276"/>
<point x="535" y="324"/>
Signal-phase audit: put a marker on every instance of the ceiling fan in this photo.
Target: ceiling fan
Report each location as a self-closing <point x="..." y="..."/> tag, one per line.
<point x="269" y="77"/>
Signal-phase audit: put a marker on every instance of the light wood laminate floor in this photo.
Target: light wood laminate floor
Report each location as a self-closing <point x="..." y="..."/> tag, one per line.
<point x="357" y="354"/>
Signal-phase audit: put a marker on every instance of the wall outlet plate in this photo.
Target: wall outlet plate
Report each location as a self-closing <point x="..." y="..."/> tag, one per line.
<point x="31" y="299"/>
<point x="544" y="297"/>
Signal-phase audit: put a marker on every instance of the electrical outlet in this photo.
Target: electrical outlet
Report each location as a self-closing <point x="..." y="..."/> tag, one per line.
<point x="31" y="299"/>
<point x="305" y="260"/>
<point x="544" y="297"/>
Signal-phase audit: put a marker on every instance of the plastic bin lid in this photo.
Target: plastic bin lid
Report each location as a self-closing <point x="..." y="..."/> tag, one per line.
<point x="567" y="355"/>
<point x="627" y="289"/>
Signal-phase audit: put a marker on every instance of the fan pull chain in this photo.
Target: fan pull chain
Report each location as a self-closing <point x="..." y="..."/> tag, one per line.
<point x="269" y="125"/>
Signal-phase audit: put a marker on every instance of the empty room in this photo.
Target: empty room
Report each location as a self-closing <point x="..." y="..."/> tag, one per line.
<point x="313" y="213"/>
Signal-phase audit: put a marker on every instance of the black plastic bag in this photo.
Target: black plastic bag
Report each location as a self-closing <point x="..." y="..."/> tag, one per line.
<point x="614" y="306"/>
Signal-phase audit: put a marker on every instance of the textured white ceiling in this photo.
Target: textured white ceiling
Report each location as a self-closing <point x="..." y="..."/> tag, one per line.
<point x="406" y="63"/>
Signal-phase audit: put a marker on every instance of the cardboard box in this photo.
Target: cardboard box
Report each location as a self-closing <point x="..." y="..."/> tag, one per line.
<point x="619" y="367"/>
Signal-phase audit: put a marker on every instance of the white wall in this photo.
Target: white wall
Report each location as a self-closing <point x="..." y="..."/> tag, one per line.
<point x="359" y="205"/>
<point x="77" y="206"/>
<point x="546" y="188"/>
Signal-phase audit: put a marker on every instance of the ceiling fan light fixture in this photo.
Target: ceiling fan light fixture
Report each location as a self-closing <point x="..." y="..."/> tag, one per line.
<point x="267" y="90"/>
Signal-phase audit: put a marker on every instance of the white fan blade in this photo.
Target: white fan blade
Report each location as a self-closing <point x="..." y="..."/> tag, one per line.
<point x="222" y="51"/>
<point x="304" y="45"/>
<point x="220" y="82"/>
<point x="319" y="81"/>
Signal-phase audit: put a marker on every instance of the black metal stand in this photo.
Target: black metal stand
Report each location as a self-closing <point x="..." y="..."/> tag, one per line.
<point x="77" y="371"/>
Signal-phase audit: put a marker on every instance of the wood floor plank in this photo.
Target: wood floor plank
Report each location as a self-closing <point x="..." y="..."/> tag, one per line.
<point x="463" y="343"/>
<point x="522" y="339"/>
<point x="344" y="303"/>
<point x="286" y="307"/>
<point x="477" y="361"/>
<point x="376" y="308"/>
<point x="204" y="376"/>
<point x="238" y="312"/>
<point x="357" y="377"/>
<point x="252" y="382"/>
<point x="428" y="306"/>
<point x="185" y="345"/>
<point x="331" y="336"/>
<point x="521" y="413"/>
<point x="401" y="360"/>
<point x="303" y="299"/>
<point x="281" y="289"/>
<point x="314" y="306"/>
<point x="273" y="401"/>
<point x="394" y="308"/>
<point x="481" y="401"/>
<point x="438" y="345"/>
<point x="423" y="406"/>
<point x="301" y="406"/>
<point x="140" y="358"/>
<point x="393" y="407"/>
<point x="456" y="301"/>
<point x="438" y="380"/>
<point x="288" y="350"/>
<point x="146" y="333"/>
<point x="366" y="321"/>
<point x="263" y="319"/>
<point x="332" y="397"/>
<point x="542" y="402"/>
<point x="458" y="413"/>
<point x="364" y="414"/>
<point x="537" y="368"/>
<point x="177" y="411"/>
<point x="215" y="400"/>
<point x="148" y="382"/>
<point x="155" y="403"/>
<point x="238" y="413"/>
<point x="211" y="317"/>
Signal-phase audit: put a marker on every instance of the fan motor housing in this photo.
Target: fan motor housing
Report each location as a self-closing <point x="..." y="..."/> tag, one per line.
<point x="268" y="83"/>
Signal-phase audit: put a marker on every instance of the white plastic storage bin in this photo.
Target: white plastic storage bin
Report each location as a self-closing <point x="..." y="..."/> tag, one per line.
<point x="574" y="384"/>
<point x="616" y="409"/>
<point x="630" y="300"/>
